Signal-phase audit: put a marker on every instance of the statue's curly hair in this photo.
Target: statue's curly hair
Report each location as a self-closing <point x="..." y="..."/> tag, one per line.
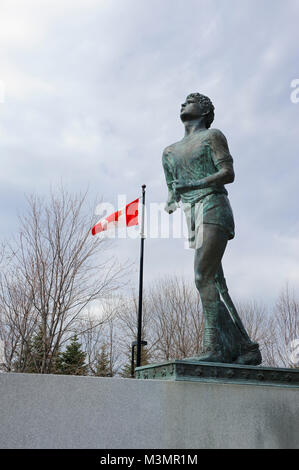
<point x="206" y="105"/>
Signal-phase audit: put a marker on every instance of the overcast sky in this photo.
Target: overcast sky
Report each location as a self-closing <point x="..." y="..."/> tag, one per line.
<point x="90" y="95"/>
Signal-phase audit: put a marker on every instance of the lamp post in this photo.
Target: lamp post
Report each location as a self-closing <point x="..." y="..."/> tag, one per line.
<point x="134" y="343"/>
<point x="139" y="326"/>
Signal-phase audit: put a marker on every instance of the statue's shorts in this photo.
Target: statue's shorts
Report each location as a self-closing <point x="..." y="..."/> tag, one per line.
<point x="212" y="209"/>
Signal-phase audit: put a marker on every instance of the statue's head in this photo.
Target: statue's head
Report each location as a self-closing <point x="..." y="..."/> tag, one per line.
<point x="196" y="106"/>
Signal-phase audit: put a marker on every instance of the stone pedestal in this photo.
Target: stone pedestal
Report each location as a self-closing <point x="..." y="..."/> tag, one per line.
<point x="185" y="370"/>
<point x="65" y="412"/>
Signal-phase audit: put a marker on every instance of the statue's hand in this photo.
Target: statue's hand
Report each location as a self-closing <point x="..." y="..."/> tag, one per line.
<point x="171" y="206"/>
<point x="181" y="184"/>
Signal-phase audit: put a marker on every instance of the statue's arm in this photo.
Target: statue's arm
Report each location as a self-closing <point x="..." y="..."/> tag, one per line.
<point x="224" y="175"/>
<point x="173" y="197"/>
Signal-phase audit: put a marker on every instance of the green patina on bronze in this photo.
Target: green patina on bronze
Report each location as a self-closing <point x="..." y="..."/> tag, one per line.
<point x="197" y="168"/>
<point x="194" y="371"/>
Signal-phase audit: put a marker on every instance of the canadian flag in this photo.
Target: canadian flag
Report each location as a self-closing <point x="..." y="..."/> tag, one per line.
<point x="126" y="217"/>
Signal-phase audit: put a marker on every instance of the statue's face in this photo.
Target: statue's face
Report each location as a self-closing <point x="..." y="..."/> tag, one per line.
<point x="191" y="109"/>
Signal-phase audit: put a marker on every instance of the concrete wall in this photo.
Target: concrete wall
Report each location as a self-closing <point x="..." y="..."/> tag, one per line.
<point x="48" y="411"/>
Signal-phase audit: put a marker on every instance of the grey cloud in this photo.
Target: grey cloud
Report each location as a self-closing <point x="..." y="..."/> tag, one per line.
<point x="92" y="97"/>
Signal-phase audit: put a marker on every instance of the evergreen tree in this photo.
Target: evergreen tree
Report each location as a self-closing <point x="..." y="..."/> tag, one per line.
<point x="103" y="364"/>
<point x="36" y="352"/>
<point x="145" y="359"/>
<point x="126" y="370"/>
<point x="31" y="356"/>
<point x="72" y="360"/>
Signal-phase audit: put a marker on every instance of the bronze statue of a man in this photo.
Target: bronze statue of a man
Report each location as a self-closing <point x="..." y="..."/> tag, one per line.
<point x="196" y="170"/>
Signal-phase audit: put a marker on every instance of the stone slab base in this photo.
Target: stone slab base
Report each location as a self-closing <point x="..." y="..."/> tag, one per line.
<point x="73" y="412"/>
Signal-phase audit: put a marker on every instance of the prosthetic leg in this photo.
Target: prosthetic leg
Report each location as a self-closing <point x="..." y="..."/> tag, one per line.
<point x="249" y="352"/>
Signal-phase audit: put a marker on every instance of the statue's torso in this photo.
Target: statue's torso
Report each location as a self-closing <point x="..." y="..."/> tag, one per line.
<point x="194" y="158"/>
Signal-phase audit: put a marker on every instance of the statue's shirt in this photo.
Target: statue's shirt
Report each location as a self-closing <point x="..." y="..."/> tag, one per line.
<point x="194" y="158"/>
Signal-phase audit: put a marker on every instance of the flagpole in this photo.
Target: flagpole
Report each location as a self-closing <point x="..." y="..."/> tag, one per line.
<point x="142" y="236"/>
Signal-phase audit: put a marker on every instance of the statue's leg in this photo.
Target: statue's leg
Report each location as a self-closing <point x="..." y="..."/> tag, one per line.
<point x="206" y="265"/>
<point x="246" y="351"/>
<point x="223" y="291"/>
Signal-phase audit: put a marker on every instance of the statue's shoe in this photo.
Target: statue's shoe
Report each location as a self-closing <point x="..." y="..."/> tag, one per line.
<point x="250" y="355"/>
<point x="210" y="356"/>
<point x="217" y="357"/>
